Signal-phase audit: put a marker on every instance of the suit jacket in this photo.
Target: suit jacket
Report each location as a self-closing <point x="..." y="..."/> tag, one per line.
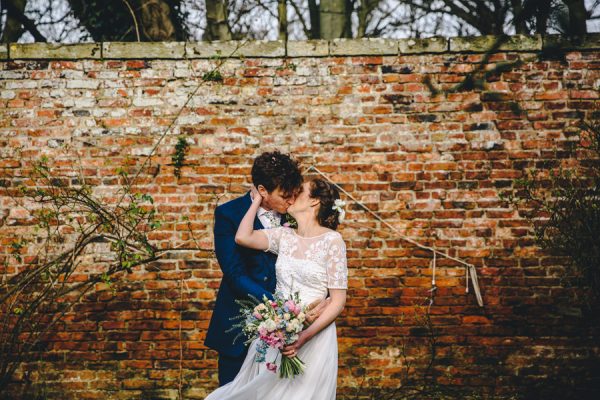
<point x="245" y="271"/>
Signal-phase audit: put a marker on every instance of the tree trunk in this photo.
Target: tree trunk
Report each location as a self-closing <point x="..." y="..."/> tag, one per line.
<point x="542" y="14"/>
<point x="348" y="18"/>
<point x="364" y="10"/>
<point x="17" y="23"/>
<point x="577" y="18"/>
<point x="519" y="17"/>
<point x="217" y="26"/>
<point x="315" y="24"/>
<point x="13" y="28"/>
<point x="283" y="22"/>
<point x="333" y="19"/>
<point x="130" y="20"/>
<point x="157" y="20"/>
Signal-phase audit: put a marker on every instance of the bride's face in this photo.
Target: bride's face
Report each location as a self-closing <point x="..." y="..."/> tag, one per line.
<point x="304" y="203"/>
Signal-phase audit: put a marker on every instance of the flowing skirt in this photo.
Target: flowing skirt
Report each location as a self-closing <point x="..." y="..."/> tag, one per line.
<point x="319" y="381"/>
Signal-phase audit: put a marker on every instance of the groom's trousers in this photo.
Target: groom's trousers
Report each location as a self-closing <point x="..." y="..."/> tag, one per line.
<point x="229" y="367"/>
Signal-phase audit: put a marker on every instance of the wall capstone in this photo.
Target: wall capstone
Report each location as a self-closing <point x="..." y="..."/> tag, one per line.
<point x="250" y="48"/>
<point x="302" y="48"/>
<point x="308" y="48"/>
<point x="36" y="51"/>
<point x="482" y="44"/>
<point x="3" y="51"/>
<point x="154" y="50"/>
<point x="416" y="46"/>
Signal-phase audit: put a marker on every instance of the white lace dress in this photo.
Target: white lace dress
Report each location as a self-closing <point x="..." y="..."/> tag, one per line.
<point x="309" y="266"/>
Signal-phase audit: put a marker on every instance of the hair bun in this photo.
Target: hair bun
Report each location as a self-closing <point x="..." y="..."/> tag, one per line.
<point x="329" y="214"/>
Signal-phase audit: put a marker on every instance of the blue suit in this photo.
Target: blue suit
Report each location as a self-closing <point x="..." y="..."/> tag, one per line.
<point x="245" y="271"/>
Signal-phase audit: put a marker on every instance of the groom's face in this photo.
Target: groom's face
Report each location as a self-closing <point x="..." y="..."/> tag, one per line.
<point x="276" y="200"/>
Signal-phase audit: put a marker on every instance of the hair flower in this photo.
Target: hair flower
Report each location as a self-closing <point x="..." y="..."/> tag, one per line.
<point x="338" y="206"/>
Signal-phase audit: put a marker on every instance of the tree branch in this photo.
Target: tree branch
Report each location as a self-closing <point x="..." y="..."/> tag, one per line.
<point x="27" y="23"/>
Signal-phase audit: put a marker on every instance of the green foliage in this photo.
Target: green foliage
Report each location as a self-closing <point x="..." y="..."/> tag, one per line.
<point x="291" y="221"/>
<point x="287" y="65"/>
<point x="15" y="248"/>
<point x="248" y="303"/>
<point x="69" y="218"/>
<point x="181" y="149"/>
<point x="212" y="76"/>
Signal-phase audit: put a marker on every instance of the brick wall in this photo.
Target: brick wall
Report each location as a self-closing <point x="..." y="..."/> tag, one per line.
<point x="431" y="164"/>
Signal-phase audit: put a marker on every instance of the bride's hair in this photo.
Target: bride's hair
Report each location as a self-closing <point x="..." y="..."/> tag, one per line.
<point x="327" y="195"/>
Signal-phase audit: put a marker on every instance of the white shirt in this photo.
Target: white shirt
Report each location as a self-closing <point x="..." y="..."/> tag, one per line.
<point x="266" y="222"/>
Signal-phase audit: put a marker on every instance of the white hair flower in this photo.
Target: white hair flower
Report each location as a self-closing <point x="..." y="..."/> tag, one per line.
<point x="339" y="205"/>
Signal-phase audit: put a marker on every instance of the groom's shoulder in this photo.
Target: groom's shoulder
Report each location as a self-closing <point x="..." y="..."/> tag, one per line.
<point x="234" y="206"/>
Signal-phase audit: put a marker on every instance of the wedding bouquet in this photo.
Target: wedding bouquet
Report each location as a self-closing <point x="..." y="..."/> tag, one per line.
<point x="276" y="323"/>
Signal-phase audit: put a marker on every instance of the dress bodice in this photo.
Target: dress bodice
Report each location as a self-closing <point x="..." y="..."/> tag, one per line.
<point x="310" y="265"/>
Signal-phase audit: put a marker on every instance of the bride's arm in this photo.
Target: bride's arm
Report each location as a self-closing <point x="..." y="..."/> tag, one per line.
<point x="329" y="314"/>
<point x="246" y="235"/>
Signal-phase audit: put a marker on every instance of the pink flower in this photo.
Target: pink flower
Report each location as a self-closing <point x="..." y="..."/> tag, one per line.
<point x="293" y="307"/>
<point x="271" y="367"/>
<point x="257" y="315"/>
<point x="286" y="224"/>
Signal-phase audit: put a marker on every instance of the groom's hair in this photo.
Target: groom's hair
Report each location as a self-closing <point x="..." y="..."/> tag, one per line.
<point x="276" y="170"/>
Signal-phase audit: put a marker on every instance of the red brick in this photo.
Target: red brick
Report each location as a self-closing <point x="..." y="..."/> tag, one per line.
<point x="432" y="165"/>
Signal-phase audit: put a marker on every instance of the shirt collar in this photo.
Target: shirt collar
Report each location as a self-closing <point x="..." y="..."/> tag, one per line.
<point x="261" y="211"/>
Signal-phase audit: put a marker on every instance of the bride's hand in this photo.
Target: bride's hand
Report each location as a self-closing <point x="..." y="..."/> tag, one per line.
<point x="291" y="350"/>
<point x="255" y="194"/>
<point x="315" y="309"/>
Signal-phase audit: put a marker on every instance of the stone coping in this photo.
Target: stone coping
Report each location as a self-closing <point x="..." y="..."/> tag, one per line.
<point x="303" y="48"/>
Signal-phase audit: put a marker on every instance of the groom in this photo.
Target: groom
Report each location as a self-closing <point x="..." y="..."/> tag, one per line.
<point x="248" y="272"/>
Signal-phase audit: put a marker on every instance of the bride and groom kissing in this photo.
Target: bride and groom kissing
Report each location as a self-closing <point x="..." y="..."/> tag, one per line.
<point x="260" y="254"/>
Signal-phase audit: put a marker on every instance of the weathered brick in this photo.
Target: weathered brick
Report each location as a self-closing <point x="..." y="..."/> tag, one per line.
<point x="431" y="164"/>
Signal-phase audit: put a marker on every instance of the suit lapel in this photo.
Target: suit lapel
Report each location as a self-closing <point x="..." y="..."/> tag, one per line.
<point x="257" y="224"/>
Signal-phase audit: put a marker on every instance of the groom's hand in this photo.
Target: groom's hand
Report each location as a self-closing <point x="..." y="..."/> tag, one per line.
<point x="315" y="309"/>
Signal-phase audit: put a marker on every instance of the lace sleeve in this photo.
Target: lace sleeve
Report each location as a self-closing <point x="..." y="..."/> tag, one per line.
<point x="274" y="237"/>
<point x="337" y="265"/>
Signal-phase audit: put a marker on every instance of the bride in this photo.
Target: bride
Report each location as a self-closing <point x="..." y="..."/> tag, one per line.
<point x="311" y="261"/>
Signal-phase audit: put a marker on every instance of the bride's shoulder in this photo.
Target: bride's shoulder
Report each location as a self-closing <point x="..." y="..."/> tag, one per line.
<point x="335" y="235"/>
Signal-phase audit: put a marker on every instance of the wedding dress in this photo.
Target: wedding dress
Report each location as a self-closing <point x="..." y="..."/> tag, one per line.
<point x="310" y="266"/>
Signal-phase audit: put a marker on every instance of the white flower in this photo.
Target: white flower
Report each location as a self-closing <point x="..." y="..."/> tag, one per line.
<point x="294" y="326"/>
<point x="269" y="325"/>
<point x="339" y="205"/>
